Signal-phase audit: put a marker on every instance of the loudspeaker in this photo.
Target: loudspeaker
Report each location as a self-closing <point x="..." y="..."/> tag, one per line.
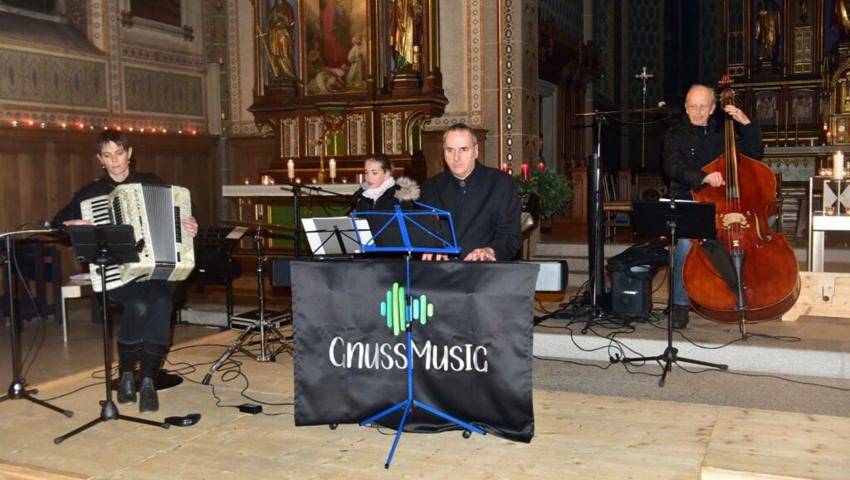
<point x="552" y="276"/>
<point x="280" y="275"/>
<point x="650" y="187"/>
<point x="631" y="291"/>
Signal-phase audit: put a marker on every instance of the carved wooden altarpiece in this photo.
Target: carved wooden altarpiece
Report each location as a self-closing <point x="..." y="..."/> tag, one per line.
<point x="346" y="79"/>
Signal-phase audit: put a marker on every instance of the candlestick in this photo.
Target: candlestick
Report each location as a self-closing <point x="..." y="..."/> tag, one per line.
<point x="290" y="169"/>
<point x="332" y="167"/>
<point x="321" y="172"/>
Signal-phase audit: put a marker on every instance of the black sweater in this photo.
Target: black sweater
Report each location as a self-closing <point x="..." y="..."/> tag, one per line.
<point x="688" y="148"/>
<point x="485" y="210"/>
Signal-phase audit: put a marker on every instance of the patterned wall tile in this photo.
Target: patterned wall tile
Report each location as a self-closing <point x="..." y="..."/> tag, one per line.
<point x="645" y="49"/>
<point x="565" y="14"/>
<point x="604" y="39"/>
<point x="37" y="77"/>
<point x="711" y="45"/>
<point x="163" y="92"/>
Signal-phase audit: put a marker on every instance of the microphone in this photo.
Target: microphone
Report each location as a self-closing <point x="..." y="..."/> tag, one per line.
<point x="355" y="199"/>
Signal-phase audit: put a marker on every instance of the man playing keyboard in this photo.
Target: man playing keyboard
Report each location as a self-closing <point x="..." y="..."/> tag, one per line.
<point x="483" y="201"/>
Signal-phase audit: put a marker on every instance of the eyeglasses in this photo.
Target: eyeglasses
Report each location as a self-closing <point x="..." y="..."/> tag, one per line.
<point x="698" y="108"/>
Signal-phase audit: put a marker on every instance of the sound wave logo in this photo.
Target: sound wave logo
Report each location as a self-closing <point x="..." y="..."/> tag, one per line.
<point x="394" y="309"/>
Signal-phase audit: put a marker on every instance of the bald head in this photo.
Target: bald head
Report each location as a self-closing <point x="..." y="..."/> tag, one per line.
<point x="699" y="104"/>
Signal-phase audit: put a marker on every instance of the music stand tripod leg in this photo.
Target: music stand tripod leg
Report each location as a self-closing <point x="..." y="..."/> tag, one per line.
<point x="670" y="355"/>
<point x="237" y="344"/>
<point x="268" y="353"/>
<point x="108" y="409"/>
<point x="410" y="402"/>
<point x="17" y="388"/>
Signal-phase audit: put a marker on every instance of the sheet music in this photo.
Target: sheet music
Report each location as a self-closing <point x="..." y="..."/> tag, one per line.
<point x="321" y="236"/>
<point x="237" y="233"/>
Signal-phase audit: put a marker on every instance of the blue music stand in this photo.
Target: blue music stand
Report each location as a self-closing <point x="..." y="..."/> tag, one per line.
<point x="415" y="237"/>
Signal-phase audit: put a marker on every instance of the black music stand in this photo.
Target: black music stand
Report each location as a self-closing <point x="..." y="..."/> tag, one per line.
<point x="675" y="219"/>
<point x="18" y="386"/>
<point x="409" y="225"/>
<point x="334" y="235"/>
<point x="105" y="245"/>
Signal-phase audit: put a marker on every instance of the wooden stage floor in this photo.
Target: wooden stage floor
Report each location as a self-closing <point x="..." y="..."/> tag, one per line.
<point x="577" y="436"/>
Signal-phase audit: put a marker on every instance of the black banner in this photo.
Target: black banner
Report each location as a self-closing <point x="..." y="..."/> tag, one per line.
<point x="472" y="343"/>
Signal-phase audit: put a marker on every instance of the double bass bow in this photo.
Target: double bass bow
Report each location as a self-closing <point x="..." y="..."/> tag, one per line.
<point x="750" y="273"/>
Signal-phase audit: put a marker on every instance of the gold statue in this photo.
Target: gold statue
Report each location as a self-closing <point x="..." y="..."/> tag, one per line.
<point x="405" y="31"/>
<point x="279" y="44"/>
<point x="767" y="30"/>
<point x="842" y="14"/>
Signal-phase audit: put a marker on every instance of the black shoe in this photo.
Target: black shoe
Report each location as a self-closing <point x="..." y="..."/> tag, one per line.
<point x="127" y="388"/>
<point x="148" y="400"/>
<point x="679" y="316"/>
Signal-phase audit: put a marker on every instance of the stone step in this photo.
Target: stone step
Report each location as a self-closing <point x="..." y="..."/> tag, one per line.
<point x="576" y="256"/>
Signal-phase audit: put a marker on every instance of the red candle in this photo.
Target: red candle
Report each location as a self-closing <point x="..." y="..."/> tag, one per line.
<point x="524" y="170"/>
<point x="541" y="166"/>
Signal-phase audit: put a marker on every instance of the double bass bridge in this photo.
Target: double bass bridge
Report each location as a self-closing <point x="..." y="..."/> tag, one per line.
<point x="730" y="220"/>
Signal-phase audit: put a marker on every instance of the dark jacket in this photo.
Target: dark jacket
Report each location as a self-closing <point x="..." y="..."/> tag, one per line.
<point x="102" y="186"/>
<point x="688" y="148"/>
<point x="485" y="209"/>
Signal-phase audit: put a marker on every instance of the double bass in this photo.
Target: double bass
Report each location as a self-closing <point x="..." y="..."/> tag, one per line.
<point x="750" y="273"/>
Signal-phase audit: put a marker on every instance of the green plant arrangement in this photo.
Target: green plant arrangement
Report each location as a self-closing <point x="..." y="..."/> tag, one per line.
<point x="553" y="191"/>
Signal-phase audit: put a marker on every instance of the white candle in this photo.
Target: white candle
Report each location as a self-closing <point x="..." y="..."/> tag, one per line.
<point x="290" y="169"/>
<point x="332" y="165"/>
<point x="838" y="165"/>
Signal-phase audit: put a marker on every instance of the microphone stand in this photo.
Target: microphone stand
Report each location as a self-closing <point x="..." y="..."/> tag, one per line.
<point x="17" y="388"/>
<point x="595" y="236"/>
<point x="296" y="188"/>
<point x="596" y="227"/>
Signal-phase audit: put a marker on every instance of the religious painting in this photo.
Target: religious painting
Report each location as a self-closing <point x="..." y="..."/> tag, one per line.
<point x="766" y="112"/>
<point x="803" y="107"/>
<point x="802" y="12"/>
<point x="767" y="32"/>
<point x="336" y="46"/>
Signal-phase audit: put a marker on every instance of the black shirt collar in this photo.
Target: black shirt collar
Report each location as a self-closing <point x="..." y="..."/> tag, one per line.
<point x="472" y="178"/>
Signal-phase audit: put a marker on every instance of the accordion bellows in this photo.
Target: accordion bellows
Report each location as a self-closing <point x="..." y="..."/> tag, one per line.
<point x="154" y="212"/>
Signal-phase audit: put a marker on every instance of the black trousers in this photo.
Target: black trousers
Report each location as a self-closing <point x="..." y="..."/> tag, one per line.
<point x="147" y="311"/>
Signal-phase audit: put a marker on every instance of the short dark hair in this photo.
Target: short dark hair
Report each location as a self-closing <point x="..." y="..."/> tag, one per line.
<point x="386" y="163"/>
<point x="460" y="127"/>
<point x="110" y="135"/>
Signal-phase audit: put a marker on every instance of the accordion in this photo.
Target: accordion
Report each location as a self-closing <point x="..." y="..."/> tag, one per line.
<point x="154" y="212"/>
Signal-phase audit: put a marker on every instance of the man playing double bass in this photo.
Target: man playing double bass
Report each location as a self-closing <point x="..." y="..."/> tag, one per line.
<point x="694" y="142"/>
